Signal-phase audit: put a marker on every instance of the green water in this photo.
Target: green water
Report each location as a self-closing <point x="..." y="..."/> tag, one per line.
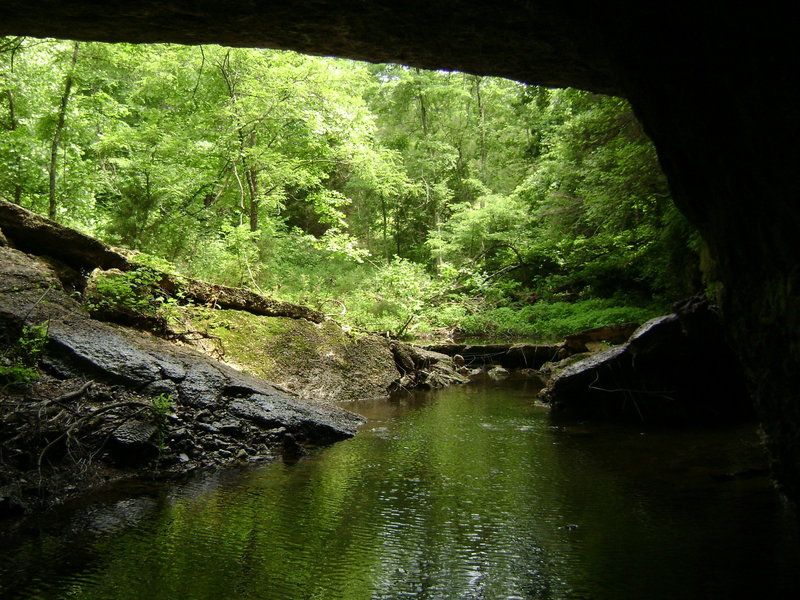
<point x="466" y="493"/>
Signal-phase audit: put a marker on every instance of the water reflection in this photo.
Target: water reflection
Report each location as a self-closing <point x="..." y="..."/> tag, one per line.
<point x="467" y="493"/>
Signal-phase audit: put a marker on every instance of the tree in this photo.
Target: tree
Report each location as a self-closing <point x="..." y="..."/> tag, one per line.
<point x="314" y="176"/>
<point x="54" y="146"/>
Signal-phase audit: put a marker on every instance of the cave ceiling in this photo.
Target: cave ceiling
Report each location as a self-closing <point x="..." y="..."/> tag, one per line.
<point x="536" y="42"/>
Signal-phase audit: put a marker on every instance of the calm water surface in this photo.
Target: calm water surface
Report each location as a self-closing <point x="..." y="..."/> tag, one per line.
<point x="466" y="493"/>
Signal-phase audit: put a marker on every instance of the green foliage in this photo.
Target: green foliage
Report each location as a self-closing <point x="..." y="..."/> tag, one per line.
<point x="18" y="362"/>
<point x="552" y="321"/>
<point x="155" y="264"/>
<point x="29" y="347"/>
<point x="230" y="256"/>
<point x="162" y="405"/>
<point x="402" y="196"/>
<point x="395" y="294"/>
<point x="17" y="375"/>
<point x="600" y="205"/>
<point x="134" y="291"/>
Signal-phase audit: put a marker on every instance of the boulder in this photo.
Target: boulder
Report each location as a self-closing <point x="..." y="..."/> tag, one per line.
<point x="498" y="372"/>
<point x="273" y="410"/>
<point x="292" y="450"/>
<point x="674" y="368"/>
<point x="134" y="443"/>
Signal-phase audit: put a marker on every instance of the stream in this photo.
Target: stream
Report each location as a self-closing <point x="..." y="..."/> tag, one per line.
<point x="466" y="493"/>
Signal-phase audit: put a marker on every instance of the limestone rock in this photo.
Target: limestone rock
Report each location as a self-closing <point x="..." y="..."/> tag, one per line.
<point x="79" y="345"/>
<point x="134" y="442"/>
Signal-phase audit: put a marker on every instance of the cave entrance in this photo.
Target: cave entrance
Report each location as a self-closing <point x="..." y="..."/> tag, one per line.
<point x="697" y="79"/>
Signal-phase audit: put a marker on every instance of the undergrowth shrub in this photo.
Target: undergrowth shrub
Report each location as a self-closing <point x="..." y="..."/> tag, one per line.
<point x="398" y="296"/>
<point x="18" y="362"/>
<point x="162" y="405"/>
<point x="133" y="291"/>
<point x="554" y="320"/>
<point x="132" y="298"/>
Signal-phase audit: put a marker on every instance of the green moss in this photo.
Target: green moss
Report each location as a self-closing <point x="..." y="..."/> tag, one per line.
<point x="269" y="346"/>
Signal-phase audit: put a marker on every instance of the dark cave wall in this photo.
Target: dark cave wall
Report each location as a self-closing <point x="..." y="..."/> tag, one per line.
<point x="714" y="90"/>
<point x="712" y="83"/>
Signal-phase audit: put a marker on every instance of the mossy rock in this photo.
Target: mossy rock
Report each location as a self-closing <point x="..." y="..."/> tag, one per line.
<point x="319" y="361"/>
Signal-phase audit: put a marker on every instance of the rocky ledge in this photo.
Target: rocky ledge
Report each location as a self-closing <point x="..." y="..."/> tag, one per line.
<point x="113" y="402"/>
<point x="676" y="368"/>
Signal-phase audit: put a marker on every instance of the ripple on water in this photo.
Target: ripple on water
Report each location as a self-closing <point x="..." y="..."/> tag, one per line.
<point x="469" y="493"/>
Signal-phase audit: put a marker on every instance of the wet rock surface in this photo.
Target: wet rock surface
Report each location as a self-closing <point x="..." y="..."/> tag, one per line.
<point x="79" y="345"/>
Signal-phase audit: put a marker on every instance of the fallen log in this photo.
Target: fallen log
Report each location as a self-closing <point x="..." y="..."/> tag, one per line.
<point x="510" y="356"/>
<point x="35" y="234"/>
<point x="611" y="334"/>
<point x="223" y="296"/>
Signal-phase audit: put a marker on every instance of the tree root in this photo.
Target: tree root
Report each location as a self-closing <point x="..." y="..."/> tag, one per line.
<point x="86" y="418"/>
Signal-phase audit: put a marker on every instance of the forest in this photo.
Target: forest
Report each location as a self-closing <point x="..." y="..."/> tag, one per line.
<point x="391" y="198"/>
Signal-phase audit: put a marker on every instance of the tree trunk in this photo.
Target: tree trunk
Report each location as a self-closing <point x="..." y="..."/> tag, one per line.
<point x="423" y="109"/>
<point x="482" y="130"/>
<point x="252" y="184"/>
<point x="384" y="229"/>
<point x="62" y="114"/>
<point x="13" y="123"/>
<point x="245" y="141"/>
<point x="397" y="220"/>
